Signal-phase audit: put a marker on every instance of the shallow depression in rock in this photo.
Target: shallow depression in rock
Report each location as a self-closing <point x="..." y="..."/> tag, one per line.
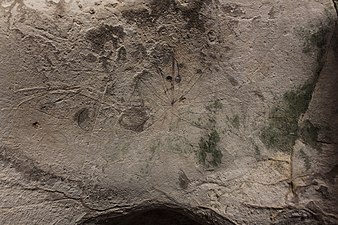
<point x="156" y="216"/>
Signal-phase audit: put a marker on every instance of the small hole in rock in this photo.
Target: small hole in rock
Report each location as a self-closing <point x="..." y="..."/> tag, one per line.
<point x="36" y="124"/>
<point x="212" y="36"/>
<point x="169" y="78"/>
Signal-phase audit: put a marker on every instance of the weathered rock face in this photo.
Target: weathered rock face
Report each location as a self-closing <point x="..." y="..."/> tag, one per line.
<point x="168" y="112"/>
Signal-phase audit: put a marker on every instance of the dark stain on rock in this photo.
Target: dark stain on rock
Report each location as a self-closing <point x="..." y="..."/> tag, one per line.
<point x="32" y="173"/>
<point x="324" y="191"/>
<point x="101" y="35"/>
<point x="134" y="118"/>
<point x="36" y="125"/>
<point x="332" y="174"/>
<point x="309" y="134"/>
<point x="142" y="17"/>
<point x="93" y="195"/>
<point x="209" y="153"/>
<point x="233" y="10"/>
<point x="158" y="8"/>
<point x="90" y="58"/>
<point x="27" y="167"/>
<point x="316" y="42"/>
<point x="183" y="180"/>
<point x="193" y="15"/>
<point x="121" y="54"/>
<point x="148" y="17"/>
<point x="283" y="128"/>
<point x="139" y="52"/>
<point x="162" y="54"/>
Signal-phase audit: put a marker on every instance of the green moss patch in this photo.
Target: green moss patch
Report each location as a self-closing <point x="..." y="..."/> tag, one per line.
<point x="283" y="128"/>
<point x="316" y="38"/>
<point x="309" y="134"/>
<point x="209" y="153"/>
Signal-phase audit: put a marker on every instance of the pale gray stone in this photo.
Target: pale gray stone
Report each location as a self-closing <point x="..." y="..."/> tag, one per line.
<point x="168" y="112"/>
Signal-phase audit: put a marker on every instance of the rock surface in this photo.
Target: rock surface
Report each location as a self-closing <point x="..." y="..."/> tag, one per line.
<point x="181" y="111"/>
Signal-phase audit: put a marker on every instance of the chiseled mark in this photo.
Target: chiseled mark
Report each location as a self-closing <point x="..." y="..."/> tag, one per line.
<point x="134" y="118"/>
<point x="84" y="119"/>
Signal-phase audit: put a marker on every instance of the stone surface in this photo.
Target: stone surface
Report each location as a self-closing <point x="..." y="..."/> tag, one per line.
<point x="215" y="111"/>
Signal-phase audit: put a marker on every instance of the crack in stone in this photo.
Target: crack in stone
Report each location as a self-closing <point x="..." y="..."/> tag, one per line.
<point x="335" y="4"/>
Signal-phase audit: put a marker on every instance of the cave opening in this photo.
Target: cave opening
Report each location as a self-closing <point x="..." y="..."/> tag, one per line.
<point x="156" y="216"/>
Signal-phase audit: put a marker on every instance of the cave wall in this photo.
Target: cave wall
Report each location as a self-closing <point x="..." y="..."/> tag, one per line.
<point x="223" y="112"/>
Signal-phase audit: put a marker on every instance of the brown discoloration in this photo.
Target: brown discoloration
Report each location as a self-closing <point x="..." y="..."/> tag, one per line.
<point x="101" y="35"/>
<point x="157" y="9"/>
<point x="193" y="15"/>
<point x="27" y="167"/>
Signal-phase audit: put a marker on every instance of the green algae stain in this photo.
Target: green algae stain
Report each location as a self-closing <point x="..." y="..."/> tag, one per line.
<point x="283" y="128"/>
<point x="315" y="39"/>
<point x="309" y="134"/>
<point x="209" y="153"/>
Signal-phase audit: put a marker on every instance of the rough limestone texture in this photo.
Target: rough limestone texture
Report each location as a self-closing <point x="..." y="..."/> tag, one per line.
<point x="168" y="112"/>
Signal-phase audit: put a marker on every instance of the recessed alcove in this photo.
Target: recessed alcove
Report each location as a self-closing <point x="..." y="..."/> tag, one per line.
<point x="159" y="216"/>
